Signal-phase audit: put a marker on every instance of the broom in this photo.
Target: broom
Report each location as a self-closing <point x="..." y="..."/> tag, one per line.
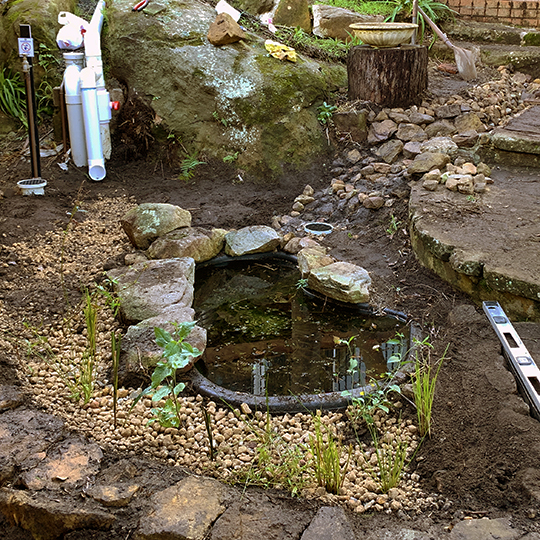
<point x="464" y="58"/>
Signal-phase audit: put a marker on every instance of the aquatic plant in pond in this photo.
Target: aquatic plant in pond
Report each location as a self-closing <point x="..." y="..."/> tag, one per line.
<point x="267" y="335"/>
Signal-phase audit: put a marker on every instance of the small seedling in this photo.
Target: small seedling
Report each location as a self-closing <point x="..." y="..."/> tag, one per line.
<point x="188" y="166"/>
<point x="177" y="354"/>
<point x="394" y="225"/>
<point x="325" y="112"/>
<point x="230" y="158"/>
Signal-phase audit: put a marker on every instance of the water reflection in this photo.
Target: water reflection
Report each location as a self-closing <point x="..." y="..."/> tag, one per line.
<point x="266" y="337"/>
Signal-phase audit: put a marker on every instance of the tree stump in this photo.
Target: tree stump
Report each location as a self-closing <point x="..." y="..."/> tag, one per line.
<point x="392" y="77"/>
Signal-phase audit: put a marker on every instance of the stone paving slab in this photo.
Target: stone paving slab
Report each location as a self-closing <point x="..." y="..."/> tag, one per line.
<point x="489" y="246"/>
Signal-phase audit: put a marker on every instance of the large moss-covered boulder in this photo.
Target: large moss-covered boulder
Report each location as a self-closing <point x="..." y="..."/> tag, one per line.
<point x="41" y="15"/>
<point x="222" y="101"/>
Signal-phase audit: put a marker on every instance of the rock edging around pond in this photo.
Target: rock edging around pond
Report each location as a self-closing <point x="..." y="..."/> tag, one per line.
<point x="159" y="291"/>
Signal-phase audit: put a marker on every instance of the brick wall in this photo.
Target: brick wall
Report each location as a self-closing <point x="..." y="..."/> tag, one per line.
<point x="523" y="13"/>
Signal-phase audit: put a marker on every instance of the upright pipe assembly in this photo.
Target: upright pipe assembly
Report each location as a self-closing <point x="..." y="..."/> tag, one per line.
<point x="87" y="100"/>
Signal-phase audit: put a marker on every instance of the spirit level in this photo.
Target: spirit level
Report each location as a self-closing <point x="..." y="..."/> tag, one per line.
<point x="521" y="362"/>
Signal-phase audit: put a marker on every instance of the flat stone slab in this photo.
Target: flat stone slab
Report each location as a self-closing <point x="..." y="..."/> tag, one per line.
<point x="487" y="245"/>
<point x="521" y="134"/>
<point x="484" y="529"/>
<point x="185" y="511"/>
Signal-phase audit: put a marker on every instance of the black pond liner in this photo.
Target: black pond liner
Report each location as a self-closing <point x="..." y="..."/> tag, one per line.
<point x="302" y="402"/>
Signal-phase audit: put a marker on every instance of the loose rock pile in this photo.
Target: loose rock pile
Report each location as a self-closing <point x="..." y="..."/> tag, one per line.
<point x="439" y="143"/>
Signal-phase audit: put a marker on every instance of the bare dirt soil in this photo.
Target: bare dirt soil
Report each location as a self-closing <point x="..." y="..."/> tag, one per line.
<point x="483" y="454"/>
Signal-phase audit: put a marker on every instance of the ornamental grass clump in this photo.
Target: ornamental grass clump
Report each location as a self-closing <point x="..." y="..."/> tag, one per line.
<point x="327" y="457"/>
<point x="424" y="381"/>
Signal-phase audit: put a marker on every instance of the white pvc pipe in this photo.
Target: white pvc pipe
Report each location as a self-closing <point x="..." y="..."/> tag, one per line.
<point x="94" y="149"/>
<point x="72" y="90"/>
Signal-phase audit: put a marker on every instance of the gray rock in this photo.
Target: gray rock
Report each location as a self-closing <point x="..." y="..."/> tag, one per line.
<point x="254" y="239"/>
<point x="333" y="22"/>
<point x="411" y="132"/>
<point x="469" y="122"/>
<point x="195" y="242"/>
<point x="48" y="519"/>
<point x="11" y="397"/>
<point x="186" y="510"/>
<point x="330" y="523"/>
<point x="482" y="529"/>
<point x="311" y="258"/>
<point x="419" y="118"/>
<point x="117" y="496"/>
<point x="341" y="281"/>
<point x="294" y="14"/>
<point x="428" y="161"/>
<point x="443" y="145"/>
<point x="441" y="128"/>
<point x="448" y="111"/>
<point x="265" y="106"/>
<point x="529" y="479"/>
<point x="412" y="149"/>
<point x="146" y="289"/>
<point x="144" y="223"/>
<point x="466" y="139"/>
<point x="430" y="184"/>
<point x="67" y="466"/>
<point x="381" y="131"/>
<point x="390" y="150"/>
<point x="373" y="203"/>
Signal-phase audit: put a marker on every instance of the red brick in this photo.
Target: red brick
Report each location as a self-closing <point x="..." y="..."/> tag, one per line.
<point x="504" y="12"/>
<point x="491" y="12"/>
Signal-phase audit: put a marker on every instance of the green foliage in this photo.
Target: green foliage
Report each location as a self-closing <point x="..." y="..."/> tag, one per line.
<point x="424" y="382"/>
<point x="394" y="225"/>
<point x="50" y="62"/>
<point x="230" y="158"/>
<point x="88" y="362"/>
<point x="188" y="166"/>
<point x="366" y="7"/>
<point x="12" y="95"/>
<point x="325" y="112"/>
<point x="391" y="460"/>
<point x="111" y="299"/>
<point x="219" y="119"/>
<point x="436" y="11"/>
<point x="327" y="457"/>
<point x="278" y="463"/>
<point x="176" y="354"/>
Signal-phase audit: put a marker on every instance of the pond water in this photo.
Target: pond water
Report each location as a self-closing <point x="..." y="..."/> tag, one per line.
<point x="269" y="336"/>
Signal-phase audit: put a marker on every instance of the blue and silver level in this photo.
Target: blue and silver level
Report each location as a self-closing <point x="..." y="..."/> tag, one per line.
<point x="521" y="362"/>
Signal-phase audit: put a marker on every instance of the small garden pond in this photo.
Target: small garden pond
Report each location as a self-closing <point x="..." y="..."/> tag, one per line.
<point x="268" y="335"/>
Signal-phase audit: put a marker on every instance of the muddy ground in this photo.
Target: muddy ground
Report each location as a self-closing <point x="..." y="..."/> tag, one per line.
<point x="483" y="455"/>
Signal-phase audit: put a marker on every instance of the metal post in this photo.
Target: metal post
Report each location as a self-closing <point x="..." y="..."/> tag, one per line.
<point x="31" y="114"/>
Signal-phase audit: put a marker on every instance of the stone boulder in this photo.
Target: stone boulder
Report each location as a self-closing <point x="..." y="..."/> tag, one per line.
<point x="311" y="258"/>
<point x="147" y="288"/>
<point x="42" y="15"/>
<point x="220" y="100"/>
<point x="341" y="281"/>
<point x="187" y="509"/>
<point x="333" y="22"/>
<point x="254" y="239"/>
<point x="198" y="243"/>
<point x="427" y="161"/>
<point x="146" y="222"/>
<point x="294" y="14"/>
<point x="225" y="30"/>
<point x="140" y="352"/>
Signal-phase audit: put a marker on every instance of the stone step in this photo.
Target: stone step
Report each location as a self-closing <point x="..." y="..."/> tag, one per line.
<point x="489" y="33"/>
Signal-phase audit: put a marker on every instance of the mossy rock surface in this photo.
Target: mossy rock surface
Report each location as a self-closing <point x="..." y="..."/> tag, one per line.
<point x="221" y="100"/>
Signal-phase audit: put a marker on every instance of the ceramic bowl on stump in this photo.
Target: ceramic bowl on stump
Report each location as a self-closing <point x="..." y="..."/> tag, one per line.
<point x="384" y="34"/>
<point x="32" y="186"/>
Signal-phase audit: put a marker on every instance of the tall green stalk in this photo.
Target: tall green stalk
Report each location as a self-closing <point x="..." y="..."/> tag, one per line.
<point x="424" y="382"/>
<point x="116" y="345"/>
<point x="327" y="458"/>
